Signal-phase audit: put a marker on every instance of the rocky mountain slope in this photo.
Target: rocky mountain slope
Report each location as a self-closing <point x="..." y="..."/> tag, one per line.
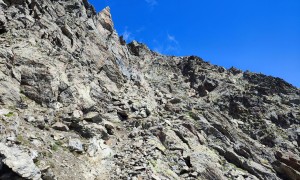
<point x="77" y="102"/>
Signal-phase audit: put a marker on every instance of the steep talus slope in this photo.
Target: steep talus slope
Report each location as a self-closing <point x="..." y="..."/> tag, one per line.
<point x="77" y="102"/>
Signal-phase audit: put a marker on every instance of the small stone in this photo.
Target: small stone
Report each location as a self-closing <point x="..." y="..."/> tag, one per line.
<point x="138" y="144"/>
<point x="155" y="177"/>
<point x="118" y="171"/>
<point x="168" y="96"/>
<point x="109" y="127"/>
<point x="175" y="101"/>
<point x="57" y="137"/>
<point x="60" y="126"/>
<point x="4" y="112"/>
<point x="77" y="114"/>
<point x="40" y="119"/>
<point x="48" y="174"/>
<point x="143" y="113"/>
<point x="93" y="117"/>
<point x="30" y="119"/>
<point x="34" y="154"/>
<point x="32" y="136"/>
<point x="194" y="174"/>
<point x="75" y="145"/>
<point x="93" y="147"/>
<point x="123" y="115"/>
<point x="11" y="138"/>
<point x="168" y="122"/>
<point x="139" y="168"/>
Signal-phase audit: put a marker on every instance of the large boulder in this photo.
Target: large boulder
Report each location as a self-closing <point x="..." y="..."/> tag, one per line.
<point x="19" y="162"/>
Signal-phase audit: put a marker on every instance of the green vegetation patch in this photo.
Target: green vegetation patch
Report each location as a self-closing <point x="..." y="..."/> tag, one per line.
<point x="55" y="146"/>
<point x="10" y="114"/>
<point x="193" y="115"/>
<point x="22" y="140"/>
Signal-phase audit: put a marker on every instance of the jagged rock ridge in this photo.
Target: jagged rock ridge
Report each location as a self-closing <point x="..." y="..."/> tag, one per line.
<point x="77" y="102"/>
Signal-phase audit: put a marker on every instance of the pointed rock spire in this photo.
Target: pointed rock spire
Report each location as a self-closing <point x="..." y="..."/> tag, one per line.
<point x="105" y="19"/>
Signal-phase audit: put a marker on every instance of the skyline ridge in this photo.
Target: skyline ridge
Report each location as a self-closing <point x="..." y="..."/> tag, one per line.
<point x="269" y="56"/>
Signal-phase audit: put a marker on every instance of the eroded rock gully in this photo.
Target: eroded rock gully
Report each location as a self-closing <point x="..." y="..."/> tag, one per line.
<point x="77" y="102"/>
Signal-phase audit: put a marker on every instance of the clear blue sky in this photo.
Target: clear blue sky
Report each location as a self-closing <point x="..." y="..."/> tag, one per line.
<point x="256" y="35"/>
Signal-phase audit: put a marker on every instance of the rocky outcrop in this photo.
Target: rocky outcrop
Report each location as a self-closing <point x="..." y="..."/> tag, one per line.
<point x="77" y="102"/>
<point x="288" y="165"/>
<point x="105" y="19"/>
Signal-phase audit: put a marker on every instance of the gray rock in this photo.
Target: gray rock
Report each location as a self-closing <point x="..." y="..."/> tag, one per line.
<point x="288" y="163"/>
<point x="4" y="112"/>
<point x="259" y="170"/>
<point x="19" y="161"/>
<point x="93" y="117"/>
<point x="3" y="27"/>
<point x="98" y="148"/>
<point x="77" y="114"/>
<point x="29" y="119"/>
<point x="60" y="126"/>
<point x="48" y="174"/>
<point x="75" y="145"/>
<point x="175" y="101"/>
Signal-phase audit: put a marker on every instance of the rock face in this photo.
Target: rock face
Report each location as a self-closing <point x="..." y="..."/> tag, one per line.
<point x="77" y="102"/>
